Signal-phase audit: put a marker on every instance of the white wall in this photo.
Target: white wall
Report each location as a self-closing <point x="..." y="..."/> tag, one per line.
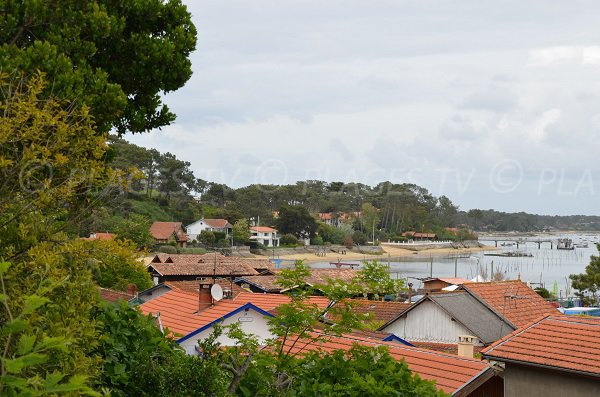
<point x="256" y="323"/>
<point x="427" y="323"/>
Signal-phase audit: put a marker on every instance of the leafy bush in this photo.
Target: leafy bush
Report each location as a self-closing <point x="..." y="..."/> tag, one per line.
<point x="167" y="249"/>
<point x="318" y="240"/>
<point x="207" y="237"/>
<point x="348" y="242"/>
<point x="288" y="240"/>
<point x="359" y="238"/>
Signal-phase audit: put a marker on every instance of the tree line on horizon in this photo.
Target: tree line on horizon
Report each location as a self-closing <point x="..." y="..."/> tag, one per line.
<point x="163" y="187"/>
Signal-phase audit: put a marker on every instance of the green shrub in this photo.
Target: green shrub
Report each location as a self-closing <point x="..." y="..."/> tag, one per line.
<point x="167" y="249"/>
<point x="288" y="240"/>
<point x="318" y="240"/>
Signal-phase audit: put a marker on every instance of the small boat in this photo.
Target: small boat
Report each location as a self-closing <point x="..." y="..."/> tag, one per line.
<point x="565" y="244"/>
<point x="581" y="245"/>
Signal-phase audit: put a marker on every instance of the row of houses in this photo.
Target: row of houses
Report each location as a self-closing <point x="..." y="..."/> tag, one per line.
<point x="472" y="338"/>
<point x="168" y="232"/>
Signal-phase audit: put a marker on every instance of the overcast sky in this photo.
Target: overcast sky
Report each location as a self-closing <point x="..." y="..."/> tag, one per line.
<point x="495" y="104"/>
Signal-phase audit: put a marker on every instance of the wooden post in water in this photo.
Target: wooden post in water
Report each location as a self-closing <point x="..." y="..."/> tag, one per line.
<point x="455" y="265"/>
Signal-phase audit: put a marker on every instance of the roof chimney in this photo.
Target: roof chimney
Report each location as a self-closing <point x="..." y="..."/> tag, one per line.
<point x="205" y="299"/>
<point x="131" y="289"/>
<point x="466" y="345"/>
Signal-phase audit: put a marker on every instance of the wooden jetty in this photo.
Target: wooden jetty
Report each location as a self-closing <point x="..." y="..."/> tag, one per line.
<point x="521" y="241"/>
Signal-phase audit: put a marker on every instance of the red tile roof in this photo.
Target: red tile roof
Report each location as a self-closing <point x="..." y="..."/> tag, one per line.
<point x="192" y="286"/>
<point x="325" y="216"/>
<point x="165" y="230"/>
<point x="453" y="280"/>
<point x="263" y="229"/>
<point x="208" y="265"/>
<point x="100" y="236"/>
<point x="379" y="310"/>
<point x="221" y="269"/>
<point x="271" y="301"/>
<point x="217" y="223"/>
<point x="113" y="296"/>
<point x="179" y="309"/>
<point x="567" y="343"/>
<point x="449" y="372"/>
<point x="512" y="300"/>
<point x="269" y="283"/>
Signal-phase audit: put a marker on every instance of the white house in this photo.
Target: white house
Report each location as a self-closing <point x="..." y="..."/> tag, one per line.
<point x="214" y="225"/>
<point x="264" y="235"/>
<point x="193" y="315"/>
<point x="441" y="318"/>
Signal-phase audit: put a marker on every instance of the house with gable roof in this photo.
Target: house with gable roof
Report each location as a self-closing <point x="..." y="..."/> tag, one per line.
<point x="208" y="225"/>
<point x="550" y="356"/>
<point x="167" y="232"/>
<point x="265" y="235"/>
<point x="488" y="311"/>
<point x="191" y="316"/>
<point x="456" y="376"/>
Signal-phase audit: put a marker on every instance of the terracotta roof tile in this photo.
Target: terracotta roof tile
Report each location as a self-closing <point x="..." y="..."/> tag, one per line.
<point x="208" y="265"/>
<point x="217" y="223"/>
<point x="113" y="296"/>
<point x="192" y="286"/>
<point x="379" y="310"/>
<point x="568" y="343"/>
<point x="263" y="229"/>
<point x="203" y="269"/>
<point x="512" y="299"/>
<point x="100" y="236"/>
<point x="165" y="230"/>
<point x="268" y="283"/>
<point x="449" y="372"/>
<point x="179" y="309"/>
<point x="271" y="301"/>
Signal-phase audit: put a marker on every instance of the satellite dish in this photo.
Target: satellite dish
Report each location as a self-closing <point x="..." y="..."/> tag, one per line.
<point x="216" y="292"/>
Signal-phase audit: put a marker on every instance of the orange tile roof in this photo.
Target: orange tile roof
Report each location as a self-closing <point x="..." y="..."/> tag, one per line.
<point x="269" y="283"/>
<point x="113" y="296"/>
<point x="449" y="372"/>
<point x="379" y="310"/>
<point x="217" y="223"/>
<point x="192" y="286"/>
<point x="271" y="301"/>
<point x="568" y="343"/>
<point x="212" y="258"/>
<point x="203" y="269"/>
<point x="453" y="280"/>
<point x="164" y="231"/>
<point x="512" y="300"/>
<point x="100" y="236"/>
<point x="179" y="309"/>
<point x="263" y="229"/>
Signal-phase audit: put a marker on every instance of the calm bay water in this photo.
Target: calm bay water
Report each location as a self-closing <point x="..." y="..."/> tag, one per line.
<point x="547" y="266"/>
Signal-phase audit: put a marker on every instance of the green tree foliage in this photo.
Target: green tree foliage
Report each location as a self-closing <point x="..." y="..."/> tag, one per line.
<point x="135" y="228"/>
<point x="20" y="373"/>
<point x="296" y="220"/>
<point x="138" y="360"/>
<point x="114" y="264"/>
<point x="588" y="283"/>
<point x="377" y="280"/>
<point x="115" y="57"/>
<point x="241" y="232"/>
<point x="360" y="371"/>
<point x="370" y="219"/>
<point x="288" y="240"/>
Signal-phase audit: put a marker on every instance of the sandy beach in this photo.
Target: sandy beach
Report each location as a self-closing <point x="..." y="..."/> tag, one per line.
<point x="390" y="253"/>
